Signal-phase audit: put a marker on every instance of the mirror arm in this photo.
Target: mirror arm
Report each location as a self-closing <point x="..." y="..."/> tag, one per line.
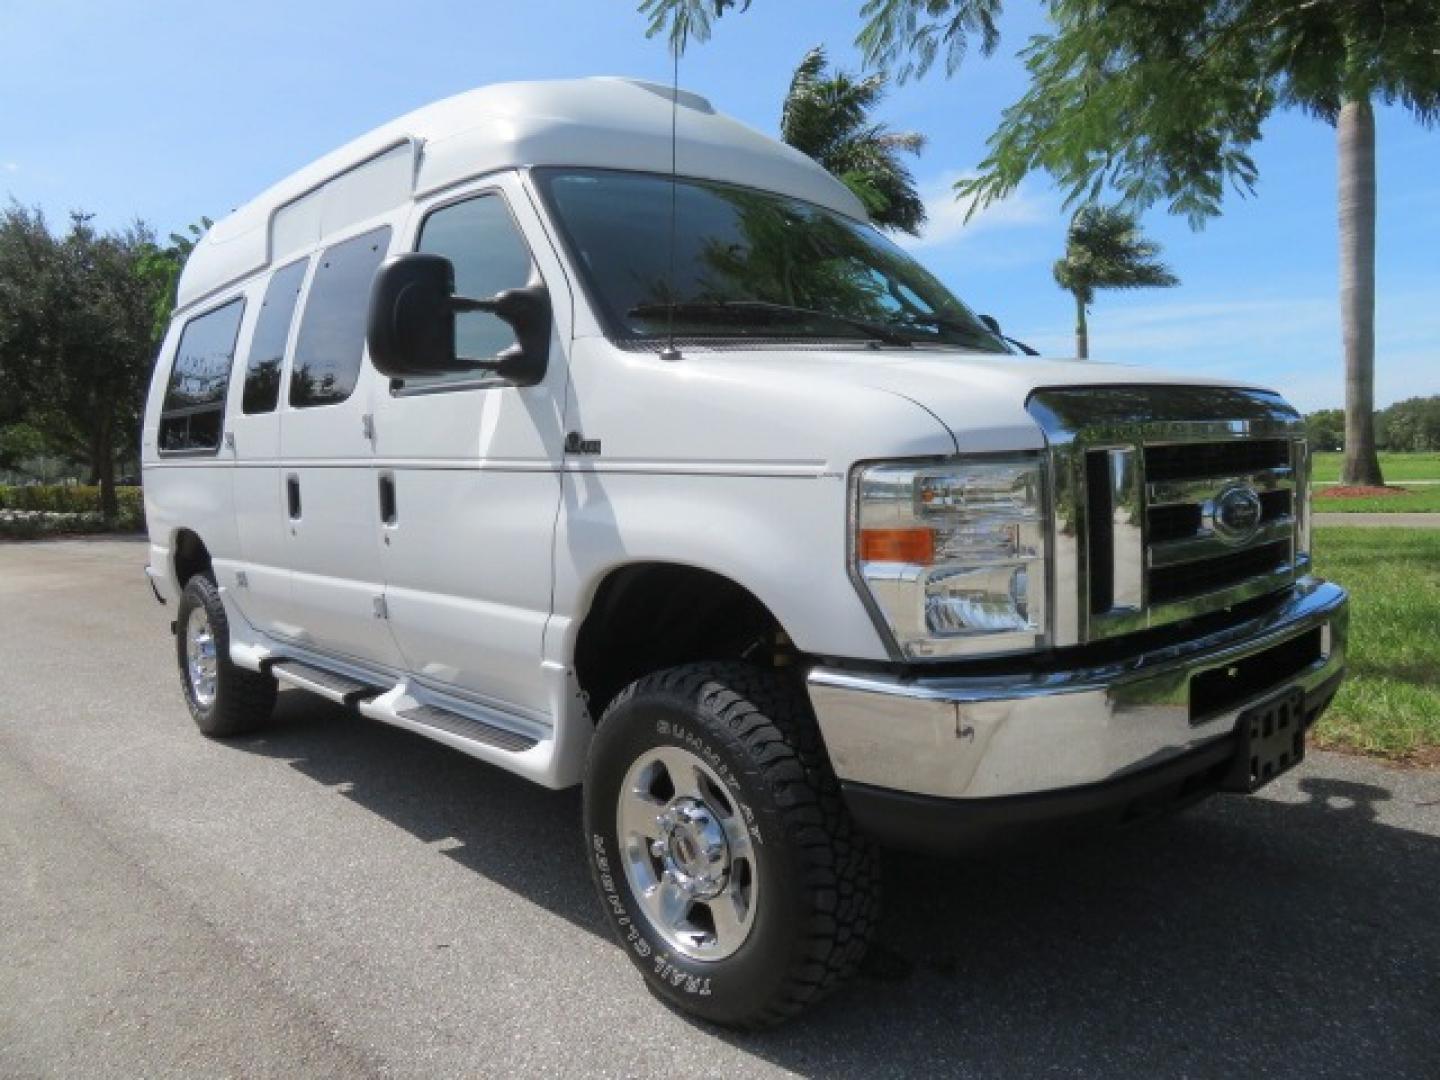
<point x="464" y="303"/>
<point x="461" y="304"/>
<point x="524" y="361"/>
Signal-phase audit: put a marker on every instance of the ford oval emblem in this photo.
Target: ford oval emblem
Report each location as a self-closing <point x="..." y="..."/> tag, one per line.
<point x="1236" y="517"/>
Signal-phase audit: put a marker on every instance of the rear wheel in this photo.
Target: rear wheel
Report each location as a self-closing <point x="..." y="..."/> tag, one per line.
<point x="723" y="853"/>
<point x="223" y="699"/>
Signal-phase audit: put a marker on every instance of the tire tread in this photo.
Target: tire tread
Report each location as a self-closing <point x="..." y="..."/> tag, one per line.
<point x="768" y="715"/>
<point x="244" y="699"/>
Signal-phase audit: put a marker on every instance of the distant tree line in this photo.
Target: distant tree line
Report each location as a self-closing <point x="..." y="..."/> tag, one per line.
<point x="82" y="314"/>
<point x="1410" y="425"/>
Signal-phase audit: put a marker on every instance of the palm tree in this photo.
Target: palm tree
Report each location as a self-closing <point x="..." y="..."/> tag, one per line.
<point x="1106" y="250"/>
<point x="1355" y="127"/>
<point x="827" y="116"/>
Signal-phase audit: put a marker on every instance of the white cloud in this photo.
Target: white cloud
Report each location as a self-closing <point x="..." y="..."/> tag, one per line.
<point x="946" y="215"/>
<point x="11" y="167"/>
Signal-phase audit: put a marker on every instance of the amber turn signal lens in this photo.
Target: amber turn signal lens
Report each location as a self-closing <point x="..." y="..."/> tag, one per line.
<point x="898" y="546"/>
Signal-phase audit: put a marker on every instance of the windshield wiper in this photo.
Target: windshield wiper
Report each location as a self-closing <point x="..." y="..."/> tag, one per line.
<point x="971" y="332"/>
<point x="706" y="308"/>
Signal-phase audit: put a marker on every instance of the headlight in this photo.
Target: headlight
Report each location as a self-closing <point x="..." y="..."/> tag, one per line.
<point x="953" y="554"/>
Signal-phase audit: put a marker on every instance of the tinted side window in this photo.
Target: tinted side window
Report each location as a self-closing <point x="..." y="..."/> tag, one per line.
<point x="332" y="330"/>
<point x="479" y="236"/>
<point x="193" y="412"/>
<point x="272" y="330"/>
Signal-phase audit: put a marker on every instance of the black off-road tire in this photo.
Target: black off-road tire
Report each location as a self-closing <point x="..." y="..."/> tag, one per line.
<point x="243" y="699"/>
<point x="818" y="903"/>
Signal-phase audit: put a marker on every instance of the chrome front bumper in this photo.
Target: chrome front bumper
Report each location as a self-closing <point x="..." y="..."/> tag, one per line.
<point x="984" y="737"/>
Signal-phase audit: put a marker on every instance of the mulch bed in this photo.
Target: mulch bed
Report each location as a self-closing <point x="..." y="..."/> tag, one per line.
<point x="1338" y="492"/>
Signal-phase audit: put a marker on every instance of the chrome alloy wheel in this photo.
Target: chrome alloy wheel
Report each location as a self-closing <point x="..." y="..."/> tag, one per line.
<point x="201" y="662"/>
<point x="687" y="853"/>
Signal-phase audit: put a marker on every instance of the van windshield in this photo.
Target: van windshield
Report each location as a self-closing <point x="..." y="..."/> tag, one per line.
<point x="748" y="264"/>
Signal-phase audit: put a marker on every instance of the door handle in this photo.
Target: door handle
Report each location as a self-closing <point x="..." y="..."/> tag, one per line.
<point x="292" y="491"/>
<point x="388" y="511"/>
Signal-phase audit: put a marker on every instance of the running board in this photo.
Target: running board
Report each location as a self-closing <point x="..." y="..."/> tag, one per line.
<point x="433" y="716"/>
<point x="331" y="685"/>
<point x="519" y="744"/>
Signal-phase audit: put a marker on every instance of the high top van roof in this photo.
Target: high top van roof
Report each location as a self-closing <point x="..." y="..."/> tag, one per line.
<point x="599" y="123"/>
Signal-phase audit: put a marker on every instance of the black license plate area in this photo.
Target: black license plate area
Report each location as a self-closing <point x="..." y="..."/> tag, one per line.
<point x="1220" y="689"/>
<point x="1270" y="741"/>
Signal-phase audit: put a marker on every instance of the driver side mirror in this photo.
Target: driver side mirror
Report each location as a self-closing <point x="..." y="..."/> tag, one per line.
<point x="411" y="324"/>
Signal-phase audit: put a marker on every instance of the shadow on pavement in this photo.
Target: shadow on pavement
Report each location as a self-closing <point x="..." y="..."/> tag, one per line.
<point x="519" y="835"/>
<point x="1249" y="937"/>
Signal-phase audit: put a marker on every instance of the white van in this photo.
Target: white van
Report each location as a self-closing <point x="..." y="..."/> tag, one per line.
<point x="670" y="476"/>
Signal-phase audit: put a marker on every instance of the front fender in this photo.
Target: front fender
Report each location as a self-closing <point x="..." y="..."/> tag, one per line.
<point x="783" y="538"/>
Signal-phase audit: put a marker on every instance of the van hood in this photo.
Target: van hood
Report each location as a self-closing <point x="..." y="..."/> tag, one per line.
<point x="819" y="410"/>
<point x="979" y="398"/>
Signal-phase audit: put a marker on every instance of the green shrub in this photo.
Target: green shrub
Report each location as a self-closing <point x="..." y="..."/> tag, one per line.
<point x="30" y="524"/>
<point x="75" y="499"/>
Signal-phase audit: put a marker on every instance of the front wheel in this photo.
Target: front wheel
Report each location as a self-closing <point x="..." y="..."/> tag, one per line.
<point x="723" y="853"/>
<point x="223" y="699"/>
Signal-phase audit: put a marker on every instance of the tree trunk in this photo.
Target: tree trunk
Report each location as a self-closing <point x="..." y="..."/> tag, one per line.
<point x="92" y="450"/>
<point x="1356" y="137"/>
<point x="94" y="454"/>
<point x="1082" y="331"/>
<point x="105" y="466"/>
<point x="109" y="501"/>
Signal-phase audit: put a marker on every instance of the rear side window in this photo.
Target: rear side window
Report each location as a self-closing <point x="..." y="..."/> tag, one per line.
<point x="332" y="329"/>
<point x="272" y="330"/>
<point x="193" y="412"/>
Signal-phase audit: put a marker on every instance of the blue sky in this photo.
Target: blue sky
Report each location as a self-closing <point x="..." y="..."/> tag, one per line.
<point x="169" y="111"/>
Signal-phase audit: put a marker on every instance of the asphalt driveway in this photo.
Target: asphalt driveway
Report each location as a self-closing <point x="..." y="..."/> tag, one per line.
<point x="334" y="897"/>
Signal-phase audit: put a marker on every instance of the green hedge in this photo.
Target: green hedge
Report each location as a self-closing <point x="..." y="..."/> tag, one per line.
<point x="82" y="500"/>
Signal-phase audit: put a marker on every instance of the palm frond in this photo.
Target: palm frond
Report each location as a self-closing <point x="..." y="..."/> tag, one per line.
<point x="1105" y="249"/>
<point x="827" y="115"/>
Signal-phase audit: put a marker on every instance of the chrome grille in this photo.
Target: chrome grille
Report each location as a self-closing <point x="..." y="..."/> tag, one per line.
<point x="1169" y="502"/>
<point x="1185" y="555"/>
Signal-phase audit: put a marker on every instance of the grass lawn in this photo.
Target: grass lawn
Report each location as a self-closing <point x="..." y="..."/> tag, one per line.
<point x="1397" y="467"/>
<point x="1418" y="500"/>
<point x="1390" y="703"/>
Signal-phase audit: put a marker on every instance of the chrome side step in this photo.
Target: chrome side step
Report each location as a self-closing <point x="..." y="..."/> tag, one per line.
<point x="546" y="745"/>
<point x="341" y="689"/>
<point x="434" y="716"/>
<point x="518" y="743"/>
